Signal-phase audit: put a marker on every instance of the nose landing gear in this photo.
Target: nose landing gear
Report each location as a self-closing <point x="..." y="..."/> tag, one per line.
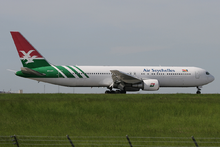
<point x="198" y="90"/>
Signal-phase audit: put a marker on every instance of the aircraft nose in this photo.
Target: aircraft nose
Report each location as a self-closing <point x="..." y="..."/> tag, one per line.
<point x="211" y="78"/>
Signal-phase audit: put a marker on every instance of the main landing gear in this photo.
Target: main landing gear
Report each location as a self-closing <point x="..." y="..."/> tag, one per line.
<point x="110" y="91"/>
<point x="198" y="90"/>
<point x="115" y="92"/>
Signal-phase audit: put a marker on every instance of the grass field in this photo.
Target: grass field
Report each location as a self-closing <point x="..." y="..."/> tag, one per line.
<point x="147" y="115"/>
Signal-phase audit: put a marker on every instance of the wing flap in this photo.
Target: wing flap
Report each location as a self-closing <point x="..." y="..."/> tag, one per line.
<point x="119" y="77"/>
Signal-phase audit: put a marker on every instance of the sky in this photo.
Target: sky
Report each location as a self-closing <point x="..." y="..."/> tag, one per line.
<point x="111" y="32"/>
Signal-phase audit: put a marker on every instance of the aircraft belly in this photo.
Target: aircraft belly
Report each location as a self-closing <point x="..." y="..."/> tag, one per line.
<point x="179" y="82"/>
<point x="176" y="82"/>
<point x="77" y="82"/>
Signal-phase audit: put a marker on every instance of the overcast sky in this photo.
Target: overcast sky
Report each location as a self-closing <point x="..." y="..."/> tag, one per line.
<point x="111" y="32"/>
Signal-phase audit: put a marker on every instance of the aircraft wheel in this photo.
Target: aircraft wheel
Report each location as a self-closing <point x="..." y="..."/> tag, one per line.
<point x="110" y="92"/>
<point x="122" y="91"/>
<point x="198" y="92"/>
<point x="115" y="92"/>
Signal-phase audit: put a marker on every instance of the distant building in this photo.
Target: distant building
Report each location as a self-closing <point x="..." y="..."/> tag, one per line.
<point x="20" y="91"/>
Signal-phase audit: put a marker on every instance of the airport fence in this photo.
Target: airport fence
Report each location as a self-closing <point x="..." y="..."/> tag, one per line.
<point x="107" y="141"/>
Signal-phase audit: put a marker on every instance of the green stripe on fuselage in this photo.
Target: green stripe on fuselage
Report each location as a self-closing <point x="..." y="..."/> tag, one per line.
<point x="78" y="74"/>
<point x="82" y="71"/>
<point x="65" y="71"/>
<point x="49" y="72"/>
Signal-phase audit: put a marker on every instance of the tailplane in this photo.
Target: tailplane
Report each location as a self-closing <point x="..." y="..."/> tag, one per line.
<point x="29" y="56"/>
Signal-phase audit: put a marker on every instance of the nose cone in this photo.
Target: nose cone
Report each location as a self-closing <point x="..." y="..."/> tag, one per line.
<point x="211" y="78"/>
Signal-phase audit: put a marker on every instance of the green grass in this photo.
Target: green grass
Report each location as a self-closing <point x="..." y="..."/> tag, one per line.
<point x="147" y="115"/>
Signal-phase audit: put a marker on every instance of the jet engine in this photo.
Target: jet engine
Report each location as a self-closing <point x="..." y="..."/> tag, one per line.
<point x="148" y="85"/>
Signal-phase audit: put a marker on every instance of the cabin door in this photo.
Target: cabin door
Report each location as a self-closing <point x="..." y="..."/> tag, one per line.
<point x="197" y="74"/>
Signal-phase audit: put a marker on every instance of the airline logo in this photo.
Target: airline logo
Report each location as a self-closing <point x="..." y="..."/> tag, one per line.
<point x="152" y="84"/>
<point x="28" y="57"/>
<point x="158" y="70"/>
<point x="184" y="70"/>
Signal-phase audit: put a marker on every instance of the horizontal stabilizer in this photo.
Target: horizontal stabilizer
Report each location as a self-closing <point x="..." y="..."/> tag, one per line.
<point x="14" y="71"/>
<point x="29" y="71"/>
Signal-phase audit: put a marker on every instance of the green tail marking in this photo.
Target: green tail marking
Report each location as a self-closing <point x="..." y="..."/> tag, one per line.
<point x="35" y="63"/>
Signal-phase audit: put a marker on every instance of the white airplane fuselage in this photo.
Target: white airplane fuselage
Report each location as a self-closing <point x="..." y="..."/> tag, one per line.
<point x="168" y="76"/>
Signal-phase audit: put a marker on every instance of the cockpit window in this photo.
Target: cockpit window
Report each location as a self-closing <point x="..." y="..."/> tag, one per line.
<point x="207" y="73"/>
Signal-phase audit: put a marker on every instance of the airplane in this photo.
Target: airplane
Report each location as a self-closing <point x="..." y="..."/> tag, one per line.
<point x="117" y="79"/>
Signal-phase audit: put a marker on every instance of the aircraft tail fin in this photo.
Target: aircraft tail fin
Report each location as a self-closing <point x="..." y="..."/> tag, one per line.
<point x="29" y="56"/>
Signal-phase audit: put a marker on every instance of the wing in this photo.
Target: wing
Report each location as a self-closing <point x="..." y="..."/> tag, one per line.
<point x="119" y="77"/>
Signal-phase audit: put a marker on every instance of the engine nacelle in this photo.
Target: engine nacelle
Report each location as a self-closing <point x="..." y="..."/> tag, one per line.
<point x="148" y="85"/>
